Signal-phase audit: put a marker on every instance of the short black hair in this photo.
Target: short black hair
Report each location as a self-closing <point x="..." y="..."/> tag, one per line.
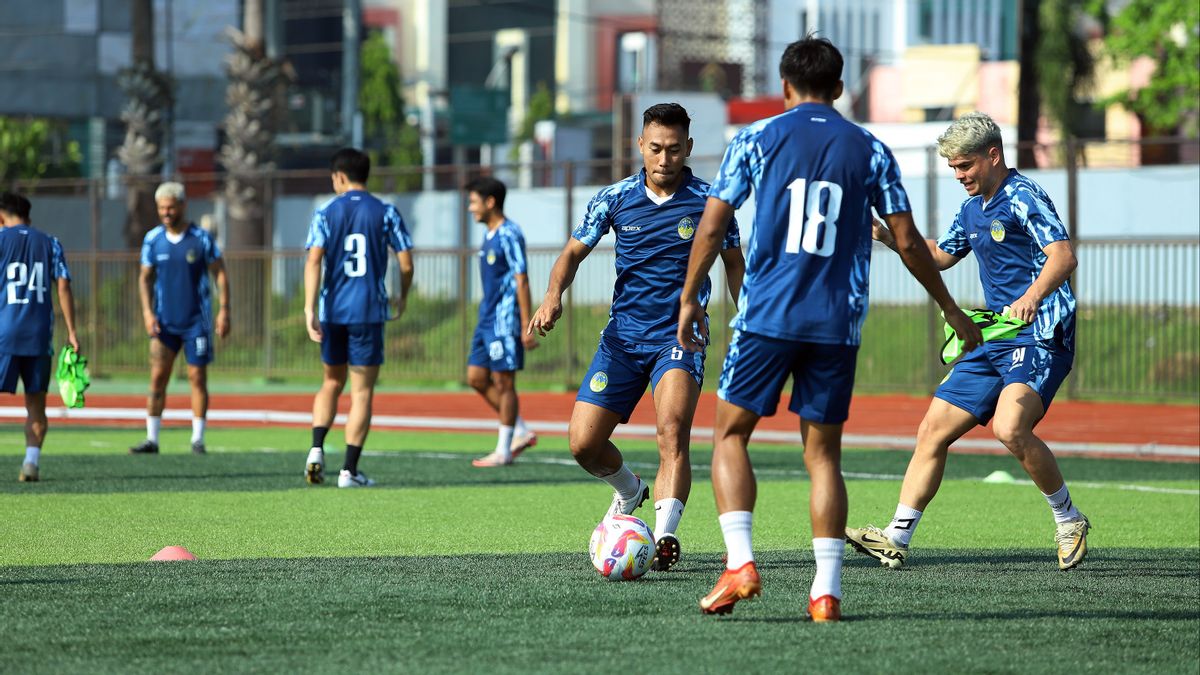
<point x="812" y="66"/>
<point x="668" y="115"/>
<point x="14" y="204"/>
<point x="354" y="163"/>
<point x="486" y="186"/>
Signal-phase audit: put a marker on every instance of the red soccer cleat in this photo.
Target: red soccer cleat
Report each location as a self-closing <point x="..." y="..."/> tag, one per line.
<point x="824" y="608"/>
<point x="734" y="585"/>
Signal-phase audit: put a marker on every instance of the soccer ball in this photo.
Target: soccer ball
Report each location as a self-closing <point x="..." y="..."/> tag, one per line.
<point x="622" y="548"/>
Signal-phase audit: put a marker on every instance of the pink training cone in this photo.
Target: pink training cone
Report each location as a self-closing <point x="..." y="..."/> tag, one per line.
<point x="173" y="553"/>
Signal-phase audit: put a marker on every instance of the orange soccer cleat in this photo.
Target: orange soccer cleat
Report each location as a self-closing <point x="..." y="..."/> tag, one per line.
<point x="734" y="585"/>
<point x="824" y="608"/>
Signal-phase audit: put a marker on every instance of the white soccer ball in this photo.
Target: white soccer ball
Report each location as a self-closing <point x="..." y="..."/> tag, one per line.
<point x="622" y="548"/>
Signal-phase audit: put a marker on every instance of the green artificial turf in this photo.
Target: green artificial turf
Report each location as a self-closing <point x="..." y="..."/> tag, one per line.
<point x="448" y="568"/>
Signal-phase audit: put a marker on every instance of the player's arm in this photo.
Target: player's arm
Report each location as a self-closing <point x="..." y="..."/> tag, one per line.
<point x="1060" y="263"/>
<point x="561" y="276"/>
<point x="404" y="260"/>
<point x="312" y="283"/>
<point x="710" y="233"/>
<point x="217" y="267"/>
<point x="919" y="260"/>
<point x="146" y="292"/>
<point x="525" y="304"/>
<point x="66" y="302"/>
<point x="735" y="269"/>
<point x="882" y="233"/>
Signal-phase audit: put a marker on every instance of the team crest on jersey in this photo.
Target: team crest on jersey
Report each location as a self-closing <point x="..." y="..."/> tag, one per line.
<point x="491" y="257"/>
<point x="997" y="231"/>
<point x="599" y="382"/>
<point x="686" y="228"/>
<point x="191" y="256"/>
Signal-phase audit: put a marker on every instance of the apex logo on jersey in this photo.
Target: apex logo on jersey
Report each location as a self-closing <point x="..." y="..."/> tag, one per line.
<point x="599" y="382"/>
<point x="496" y="350"/>
<point x="997" y="231"/>
<point x="686" y="228"/>
<point x="491" y="257"/>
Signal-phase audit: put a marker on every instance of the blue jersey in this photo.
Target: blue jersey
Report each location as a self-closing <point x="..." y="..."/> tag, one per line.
<point x="653" y="245"/>
<point x="815" y="177"/>
<point x="30" y="261"/>
<point x="501" y="259"/>
<point x="355" y="230"/>
<point x="181" y="294"/>
<point x="1008" y="234"/>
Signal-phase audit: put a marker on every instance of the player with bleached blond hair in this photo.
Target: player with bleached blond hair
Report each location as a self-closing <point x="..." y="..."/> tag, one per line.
<point x="1025" y="260"/>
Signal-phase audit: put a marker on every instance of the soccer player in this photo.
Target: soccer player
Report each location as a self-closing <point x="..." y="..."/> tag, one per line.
<point x="653" y="215"/>
<point x="498" y="346"/>
<point x="1025" y="260"/>
<point x="30" y="258"/>
<point x="816" y="177"/>
<point x="349" y="237"/>
<point x="177" y="258"/>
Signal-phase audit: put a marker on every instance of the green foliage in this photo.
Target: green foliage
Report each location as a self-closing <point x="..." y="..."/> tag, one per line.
<point x="541" y="107"/>
<point x="1066" y="68"/>
<point x="27" y="150"/>
<point x="1167" y="31"/>
<point x="390" y="140"/>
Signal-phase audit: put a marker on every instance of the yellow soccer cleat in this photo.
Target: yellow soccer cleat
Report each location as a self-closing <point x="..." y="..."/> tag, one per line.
<point x="1071" y="538"/>
<point x="871" y="541"/>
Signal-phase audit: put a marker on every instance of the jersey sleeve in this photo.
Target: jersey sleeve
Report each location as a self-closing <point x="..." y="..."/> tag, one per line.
<point x="147" y="255"/>
<point x="955" y="241"/>
<point x="513" y="245"/>
<point x="733" y="236"/>
<point x="598" y="219"/>
<point x="1038" y="217"/>
<point x="889" y="196"/>
<point x="58" y="261"/>
<point x="212" y="252"/>
<point x="397" y="233"/>
<point x="742" y="161"/>
<point x="318" y="231"/>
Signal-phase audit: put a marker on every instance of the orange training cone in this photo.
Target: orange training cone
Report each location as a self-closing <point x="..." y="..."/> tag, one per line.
<point x="173" y="553"/>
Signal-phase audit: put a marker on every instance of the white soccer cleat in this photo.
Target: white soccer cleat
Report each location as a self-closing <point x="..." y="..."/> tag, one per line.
<point x="493" y="459"/>
<point x="314" y="468"/>
<point x="521" y="442"/>
<point x="353" y="480"/>
<point x="628" y="507"/>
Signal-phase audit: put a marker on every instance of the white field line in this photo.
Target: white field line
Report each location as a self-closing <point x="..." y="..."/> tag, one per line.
<point x="1147" y="450"/>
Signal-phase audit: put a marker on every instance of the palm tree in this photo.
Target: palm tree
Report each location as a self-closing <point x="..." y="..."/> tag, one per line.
<point x="149" y="98"/>
<point x="257" y="85"/>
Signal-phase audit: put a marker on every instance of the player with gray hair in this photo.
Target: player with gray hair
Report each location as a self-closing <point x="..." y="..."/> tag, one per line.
<point x="1025" y="261"/>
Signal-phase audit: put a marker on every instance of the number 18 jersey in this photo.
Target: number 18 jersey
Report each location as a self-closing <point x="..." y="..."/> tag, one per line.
<point x="815" y="177"/>
<point x="355" y="230"/>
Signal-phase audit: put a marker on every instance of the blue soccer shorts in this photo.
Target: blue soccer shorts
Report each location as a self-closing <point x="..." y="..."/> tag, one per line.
<point x="195" y="341"/>
<point x="975" y="382"/>
<point x="497" y="353"/>
<point x="33" y="371"/>
<point x="756" y="367"/>
<point x="621" y="370"/>
<point x="359" y="344"/>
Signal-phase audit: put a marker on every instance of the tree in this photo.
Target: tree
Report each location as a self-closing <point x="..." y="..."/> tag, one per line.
<point x="1029" y="101"/>
<point x="541" y="107"/>
<point x="1066" y="67"/>
<point x="389" y="139"/>
<point x="149" y="98"/>
<point x="1165" y="31"/>
<point x="257" y="84"/>
<point x="26" y="151"/>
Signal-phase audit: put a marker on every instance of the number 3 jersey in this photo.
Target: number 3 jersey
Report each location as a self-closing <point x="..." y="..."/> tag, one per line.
<point x="181" y="297"/>
<point x="355" y="230"/>
<point x="654" y="241"/>
<point x="815" y="177"/>
<point x="31" y="261"/>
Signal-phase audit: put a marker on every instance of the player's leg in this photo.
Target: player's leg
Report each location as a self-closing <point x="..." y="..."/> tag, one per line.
<point x="35" y="374"/>
<point x="1019" y="410"/>
<point x="506" y="355"/>
<point x="965" y="398"/>
<point x="163" y="349"/>
<point x="676" y="389"/>
<point x="197" y="349"/>
<point x="334" y="356"/>
<point x="366" y="356"/>
<point x="503" y="385"/>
